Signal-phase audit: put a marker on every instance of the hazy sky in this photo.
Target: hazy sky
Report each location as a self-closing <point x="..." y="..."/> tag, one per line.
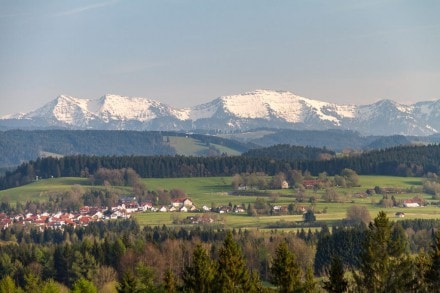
<point x="185" y="53"/>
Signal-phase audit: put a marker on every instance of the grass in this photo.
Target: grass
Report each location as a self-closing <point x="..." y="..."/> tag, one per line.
<point x="192" y="147"/>
<point x="389" y="181"/>
<point x="41" y="190"/>
<point x="215" y="191"/>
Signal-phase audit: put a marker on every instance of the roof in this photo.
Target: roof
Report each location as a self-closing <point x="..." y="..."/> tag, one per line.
<point x="180" y="199"/>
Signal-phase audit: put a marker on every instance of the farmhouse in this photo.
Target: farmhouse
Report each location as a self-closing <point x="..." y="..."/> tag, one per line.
<point x="310" y="184"/>
<point x="409" y="203"/>
<point x="145" y="206"/>
<point x="181" y="202"/>
<point x="413" y="203"/>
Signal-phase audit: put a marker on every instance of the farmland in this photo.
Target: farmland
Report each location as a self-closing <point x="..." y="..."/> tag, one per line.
<point x="215" y="192"/>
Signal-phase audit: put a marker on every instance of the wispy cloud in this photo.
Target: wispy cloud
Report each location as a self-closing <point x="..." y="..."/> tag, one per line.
<point x="404" y="30"/>
<point x="86" y="8"/>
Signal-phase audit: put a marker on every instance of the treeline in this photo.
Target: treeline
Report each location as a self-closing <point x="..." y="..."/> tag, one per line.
<point x="335" y="139"/>
<point x="155" y="259"/>
<point x="208" y="139"/>
<point x="291" y="153"/>
<point x="398" y="161"/>
<point x="18" y="145"/>
<point x="203" y="259"/>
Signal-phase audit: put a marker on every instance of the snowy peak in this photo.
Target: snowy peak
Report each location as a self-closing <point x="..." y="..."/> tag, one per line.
<point x="265" y="104"/>
<point x="80" y="112"/>
<point x="64" y="109"/>
<point x="114" y="107"/>
<point x="255" y="109"/>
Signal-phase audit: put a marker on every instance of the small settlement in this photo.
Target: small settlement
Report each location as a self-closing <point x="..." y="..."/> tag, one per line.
<point x="126" y="207"/>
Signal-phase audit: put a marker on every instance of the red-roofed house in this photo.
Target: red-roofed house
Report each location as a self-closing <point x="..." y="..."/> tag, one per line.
<point x="181" y="202"/>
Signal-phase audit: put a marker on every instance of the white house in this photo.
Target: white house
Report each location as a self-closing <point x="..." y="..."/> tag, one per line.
<point x="181" y="202"/>
<point x="145" y="206"/>
<point x="411" y="205"/>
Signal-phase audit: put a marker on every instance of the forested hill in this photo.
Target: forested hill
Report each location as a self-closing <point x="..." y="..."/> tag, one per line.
<point x="290" y="152"/>
<point x="400" y="161"/>
<point x="333" y="139"/>
<point x="18" y="146"/>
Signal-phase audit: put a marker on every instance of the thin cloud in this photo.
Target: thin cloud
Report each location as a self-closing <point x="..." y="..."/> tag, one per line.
<point x="86" y="8"/>
<point x="413" y="29"/>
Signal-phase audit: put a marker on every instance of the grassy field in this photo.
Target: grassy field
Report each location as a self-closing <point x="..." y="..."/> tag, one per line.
<point x="191" y="147"/>
<point x="215" y="191"/>
<point x="41" y="190"/>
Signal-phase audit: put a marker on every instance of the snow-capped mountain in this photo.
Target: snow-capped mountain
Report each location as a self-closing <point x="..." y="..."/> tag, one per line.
<point x="260" y="108"/>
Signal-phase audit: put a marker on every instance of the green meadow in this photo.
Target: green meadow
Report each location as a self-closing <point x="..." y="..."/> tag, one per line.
<point x="188" y="146"/>
<point x="215" y="191"/>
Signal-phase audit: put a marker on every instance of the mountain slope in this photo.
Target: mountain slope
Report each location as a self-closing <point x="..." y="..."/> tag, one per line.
<point x="17" y="146"/>
<point x="257" y="109"/>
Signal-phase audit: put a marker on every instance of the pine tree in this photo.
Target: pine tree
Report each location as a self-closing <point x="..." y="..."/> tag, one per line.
<point x="285" y="271"/>
<point x="337" y="282"/>
<point x="232" y="274"/>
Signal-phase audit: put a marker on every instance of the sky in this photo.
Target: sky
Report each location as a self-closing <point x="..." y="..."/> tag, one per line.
<point x="189" y="52"/>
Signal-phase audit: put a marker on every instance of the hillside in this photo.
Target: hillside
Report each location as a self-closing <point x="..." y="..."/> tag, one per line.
<point x="405" y="161"/>
<point x="335" y="140"/>
<point x="18" y="146"/>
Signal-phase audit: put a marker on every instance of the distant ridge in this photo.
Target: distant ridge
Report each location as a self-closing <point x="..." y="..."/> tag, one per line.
<point x="256" y="109"/>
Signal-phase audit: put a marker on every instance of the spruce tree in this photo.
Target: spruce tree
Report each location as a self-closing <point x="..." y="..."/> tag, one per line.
<point x="7" y="285"/>
<point x="83" y="286"/>
<point x="432" y="275"/>
<point x="309" y="285"/>
<point x="285" y="271"/>
<point x="170" y="282"/>
<point x="255" y="283"/>
<point x="232" y="274"/>
<point x="198" y="276"/>
<point x="127" y="284"/>
<point x="383" y="264"/>
<point x="337" y="282"/>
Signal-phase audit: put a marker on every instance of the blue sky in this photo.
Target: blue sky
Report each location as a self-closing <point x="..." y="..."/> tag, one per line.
<point x="185" y="53"/>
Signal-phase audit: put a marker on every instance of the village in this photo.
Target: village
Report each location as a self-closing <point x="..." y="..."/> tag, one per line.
<point x="126" y="207"/>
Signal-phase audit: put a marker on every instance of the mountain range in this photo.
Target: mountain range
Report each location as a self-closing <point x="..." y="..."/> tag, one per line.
<point x="234" y="113"/>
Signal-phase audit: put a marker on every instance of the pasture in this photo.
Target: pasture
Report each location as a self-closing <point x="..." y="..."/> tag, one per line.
<point x="215" y="192"/>
<point x="188" y="146"/>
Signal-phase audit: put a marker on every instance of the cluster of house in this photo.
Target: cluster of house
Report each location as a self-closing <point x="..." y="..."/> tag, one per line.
<point x="124" y="209"/>
<point x="52" y="220"/>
